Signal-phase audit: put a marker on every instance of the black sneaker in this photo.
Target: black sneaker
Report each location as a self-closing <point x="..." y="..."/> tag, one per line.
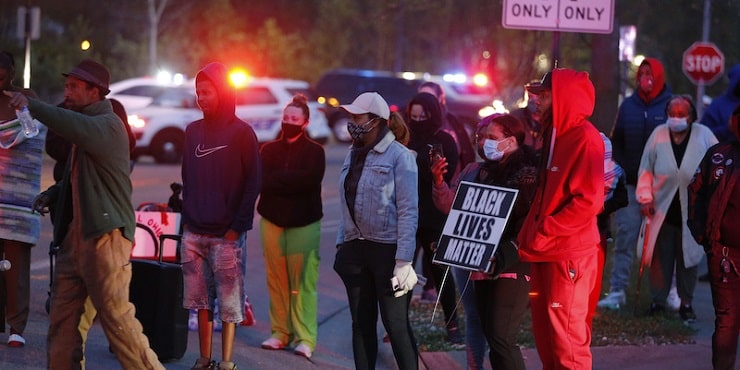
<point x="687" y="314"/>
<point x="454" y="336"/>
<point x="655" y="308"/>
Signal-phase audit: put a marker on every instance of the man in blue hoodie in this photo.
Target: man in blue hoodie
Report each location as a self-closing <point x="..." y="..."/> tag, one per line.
<point x="717" y="115"/>
<point x="638" y="115"/>
<point x="221" y="175"/>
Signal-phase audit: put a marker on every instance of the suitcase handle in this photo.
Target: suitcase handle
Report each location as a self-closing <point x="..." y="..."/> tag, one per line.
<point x="159" y="243"/>
<point x="157" y="251"/>
<point x="175" y="237"/>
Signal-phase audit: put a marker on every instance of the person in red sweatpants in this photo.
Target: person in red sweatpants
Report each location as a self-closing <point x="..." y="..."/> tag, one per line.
<point x="560" y="236"/>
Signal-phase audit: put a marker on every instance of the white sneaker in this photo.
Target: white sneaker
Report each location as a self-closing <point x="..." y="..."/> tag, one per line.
<point x="303" y="350"/>
<point x="673" y="301"/>
<point x="16" y="340"/>
<point x="613" y="301"/>
<point x="273" y="343"/>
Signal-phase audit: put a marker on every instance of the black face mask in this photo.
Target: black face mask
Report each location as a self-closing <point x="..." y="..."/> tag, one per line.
<point x="291" y="131"/>
<point x="422" y="127"/>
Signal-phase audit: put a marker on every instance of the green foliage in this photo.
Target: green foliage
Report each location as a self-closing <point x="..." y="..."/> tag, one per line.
<point x="628" y="326"/>
<point x="303" y="39"/>
<point x="430" y="334"/>
<point x="624" y="328"/>
<point x="619" y="328"/>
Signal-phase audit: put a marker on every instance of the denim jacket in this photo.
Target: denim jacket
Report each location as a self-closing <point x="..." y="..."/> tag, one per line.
<point x="386" y="207"/>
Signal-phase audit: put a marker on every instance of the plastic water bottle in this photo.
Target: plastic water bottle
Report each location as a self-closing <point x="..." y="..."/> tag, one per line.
<point x="30" y="129"/>
<point x="4" y="265"/>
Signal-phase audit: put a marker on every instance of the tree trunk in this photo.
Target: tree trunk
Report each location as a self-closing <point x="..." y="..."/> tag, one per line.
<point x="605" y="76"/>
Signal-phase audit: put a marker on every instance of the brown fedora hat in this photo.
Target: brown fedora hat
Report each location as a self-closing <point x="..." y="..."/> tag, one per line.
<point x="93" y="72"/>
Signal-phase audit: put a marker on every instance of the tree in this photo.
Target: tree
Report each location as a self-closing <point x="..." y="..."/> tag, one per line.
<point x="304" y="39"/>
<point x="155" y="14"/>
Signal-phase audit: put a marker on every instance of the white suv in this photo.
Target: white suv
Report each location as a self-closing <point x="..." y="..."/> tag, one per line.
<point x="136" y="93"/>
<point x="160" y="126"/>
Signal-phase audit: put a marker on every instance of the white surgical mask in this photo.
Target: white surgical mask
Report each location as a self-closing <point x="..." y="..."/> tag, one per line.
<point x="676" y="124"/>
<point x="490" y="149"/>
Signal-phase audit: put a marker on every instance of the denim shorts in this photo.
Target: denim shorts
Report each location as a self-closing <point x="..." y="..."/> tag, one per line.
<point x="213" y="268"/>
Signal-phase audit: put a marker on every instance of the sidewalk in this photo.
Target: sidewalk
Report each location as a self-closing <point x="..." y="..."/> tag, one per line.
<point x="696" y="356"/>
<point x="334" y="349"/>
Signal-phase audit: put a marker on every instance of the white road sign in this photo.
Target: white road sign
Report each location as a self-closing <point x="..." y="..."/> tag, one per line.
<point x="587" y="16"/>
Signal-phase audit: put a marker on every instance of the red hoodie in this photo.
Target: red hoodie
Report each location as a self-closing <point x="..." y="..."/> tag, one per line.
<point x="561" y="223"/>
<point x="658" y="80"/>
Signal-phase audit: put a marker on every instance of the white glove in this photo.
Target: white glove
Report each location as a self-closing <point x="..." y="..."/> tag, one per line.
<point x="405" y="278"/>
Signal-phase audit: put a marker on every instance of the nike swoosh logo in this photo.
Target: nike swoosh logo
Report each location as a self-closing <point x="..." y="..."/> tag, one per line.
<point x="200" y="152"/>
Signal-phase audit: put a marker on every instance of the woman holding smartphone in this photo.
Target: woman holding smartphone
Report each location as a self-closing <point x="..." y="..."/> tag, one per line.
<point x="502" y="292"/>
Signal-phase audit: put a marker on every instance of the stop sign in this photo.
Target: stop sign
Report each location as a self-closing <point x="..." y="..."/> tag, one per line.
<point x="703" y="62"/>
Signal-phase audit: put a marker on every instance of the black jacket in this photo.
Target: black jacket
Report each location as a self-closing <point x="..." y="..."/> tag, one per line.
<point x="291" y="182"/>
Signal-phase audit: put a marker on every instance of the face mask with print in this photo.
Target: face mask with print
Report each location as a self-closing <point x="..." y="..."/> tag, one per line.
<point x="358" y="131"/>
<point x="676" y="124"/>
<point x="490" y="149"/>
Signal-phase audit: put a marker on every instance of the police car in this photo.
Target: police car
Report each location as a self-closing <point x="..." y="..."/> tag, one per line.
<point x="159" y="127"/>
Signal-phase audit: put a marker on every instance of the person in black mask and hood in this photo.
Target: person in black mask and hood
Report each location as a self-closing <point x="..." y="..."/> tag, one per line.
<point x="290" y="204"/>
<point x="424" y="116"/>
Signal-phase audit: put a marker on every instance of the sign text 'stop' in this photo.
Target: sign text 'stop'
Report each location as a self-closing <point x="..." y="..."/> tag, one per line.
<point x="587" y="16"/>
<point x="703" y="62"/>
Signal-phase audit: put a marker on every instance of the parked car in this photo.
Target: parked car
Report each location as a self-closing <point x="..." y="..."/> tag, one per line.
<point x="160" y="126"/>
<point x="139" y="92"/>
<point x="342" y="86"/>
<point x="466" y="100"/>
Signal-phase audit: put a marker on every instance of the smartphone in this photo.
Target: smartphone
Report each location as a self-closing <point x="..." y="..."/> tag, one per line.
<point x="394" y="284"/>
<point x="435" y="152"/>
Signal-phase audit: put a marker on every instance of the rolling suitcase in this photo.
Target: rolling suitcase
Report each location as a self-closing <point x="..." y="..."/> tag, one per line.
<point x="156" y="291"/>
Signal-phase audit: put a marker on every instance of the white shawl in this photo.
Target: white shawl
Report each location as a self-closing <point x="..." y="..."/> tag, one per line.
<point x="659" y="177"/>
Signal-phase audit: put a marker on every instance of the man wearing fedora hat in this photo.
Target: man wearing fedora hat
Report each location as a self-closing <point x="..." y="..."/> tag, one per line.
<point x="94" y="222"/>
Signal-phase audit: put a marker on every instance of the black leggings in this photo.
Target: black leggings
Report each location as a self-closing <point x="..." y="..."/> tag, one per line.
<point x="502" y="305"/>
<point x="366" y="269"/>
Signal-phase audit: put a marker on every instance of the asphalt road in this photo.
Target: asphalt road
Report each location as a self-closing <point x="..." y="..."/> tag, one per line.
<point x="151" y="184"/>
<point x="334" y="348"/>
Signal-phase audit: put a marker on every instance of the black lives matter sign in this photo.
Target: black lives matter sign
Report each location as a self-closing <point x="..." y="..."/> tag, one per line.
<point x="474" y="226"/>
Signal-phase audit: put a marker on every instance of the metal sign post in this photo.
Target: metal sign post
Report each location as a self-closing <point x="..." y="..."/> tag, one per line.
<point x="28" y="29"/>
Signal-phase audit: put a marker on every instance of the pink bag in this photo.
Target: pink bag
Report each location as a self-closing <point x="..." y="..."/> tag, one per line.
<point x="249" y="319"/>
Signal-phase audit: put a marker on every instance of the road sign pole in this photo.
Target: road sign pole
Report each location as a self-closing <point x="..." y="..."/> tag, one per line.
<point x="28" y="29"/>
<point x="27" y="64"/>
<point x="701" y="86"/>
<point x="555" y="49"/>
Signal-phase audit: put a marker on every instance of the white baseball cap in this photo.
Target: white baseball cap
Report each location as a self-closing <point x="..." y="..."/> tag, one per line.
<point x="369" y="102"/>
